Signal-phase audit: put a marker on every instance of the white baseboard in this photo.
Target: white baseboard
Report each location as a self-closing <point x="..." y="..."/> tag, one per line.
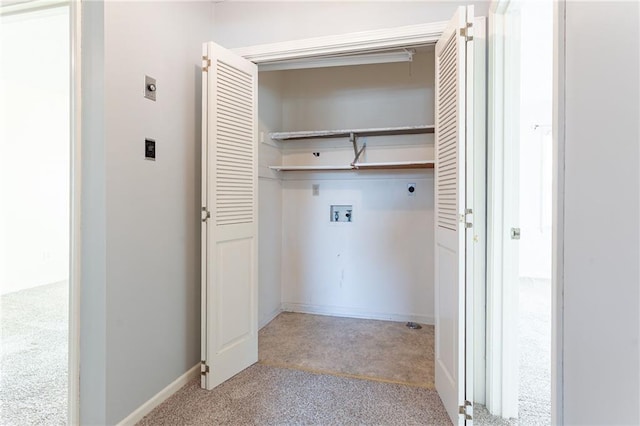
<point x="160" y="397"/>
<point x="354" y="313"/>
<point x="269" y="318"/>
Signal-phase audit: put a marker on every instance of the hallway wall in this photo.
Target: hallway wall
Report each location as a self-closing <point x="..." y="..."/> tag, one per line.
<point x="141" y="235"/>
<point x="600" y="209"/>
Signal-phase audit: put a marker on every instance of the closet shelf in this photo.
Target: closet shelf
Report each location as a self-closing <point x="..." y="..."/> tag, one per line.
<point x="310" y="168"/>
<point x="353" y="135"/>
<point x="391" y="165"/>
<point x="429" y="164"/>
<point x="324" y="134"/>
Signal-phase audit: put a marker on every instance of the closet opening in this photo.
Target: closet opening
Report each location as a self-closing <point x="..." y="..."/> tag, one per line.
<point x="339" y="211"/>
<point x="346" y="219"/>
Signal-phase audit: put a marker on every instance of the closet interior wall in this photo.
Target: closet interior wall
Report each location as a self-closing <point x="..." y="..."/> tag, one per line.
<point x="270" y="92"/>
<point x="380" y="265"/>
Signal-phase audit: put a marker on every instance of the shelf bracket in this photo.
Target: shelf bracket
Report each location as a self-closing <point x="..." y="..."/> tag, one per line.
<point x="356" y="152"/>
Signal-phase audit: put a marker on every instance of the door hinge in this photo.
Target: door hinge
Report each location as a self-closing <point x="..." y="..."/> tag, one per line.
<point x="204" y="368"/>
<point x="205" y="214"/>
<point x="206" y="63"/>
<point x="464" y="410"/>
<point x="467" y="32"/>
<point x="468" y="218"/>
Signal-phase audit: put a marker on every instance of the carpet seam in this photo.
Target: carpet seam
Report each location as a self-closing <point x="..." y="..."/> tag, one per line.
<point x="428" y="386"/>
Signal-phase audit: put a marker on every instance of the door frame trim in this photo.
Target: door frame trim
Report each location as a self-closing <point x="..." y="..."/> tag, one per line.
<point x="476" y="321"/>
<point x="75" y="247"/>
<point x="502" y="299"/>
<point x="497" y="207"/>
<point x="400" y="37"/>
<point x="357" y="42"/>
<point x="75" y="190"/>
<point x="557" y="246"/>
<point x="75" y="187"/>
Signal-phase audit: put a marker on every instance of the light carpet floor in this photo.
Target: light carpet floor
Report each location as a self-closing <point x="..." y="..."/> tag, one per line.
<point x="33" y="351"/>
<point x="534" y="405"/>
<point x="534" y="343"/>
<point x="376" y="350"/>
<point x="265" y="395"/>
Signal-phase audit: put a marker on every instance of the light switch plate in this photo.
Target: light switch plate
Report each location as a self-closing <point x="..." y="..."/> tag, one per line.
<point x="150" y="88"/>
<point x="150" y="149"/>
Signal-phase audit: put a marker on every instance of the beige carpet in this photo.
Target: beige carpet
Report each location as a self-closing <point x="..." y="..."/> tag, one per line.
<point x="376" y="350"/>
<point x="320" y="370"/>
<point x="263" y="395"/>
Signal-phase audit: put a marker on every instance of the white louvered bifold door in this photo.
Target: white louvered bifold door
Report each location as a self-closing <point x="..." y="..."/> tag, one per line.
<point x="450" y="219"/>
<point x="230" y="222"/>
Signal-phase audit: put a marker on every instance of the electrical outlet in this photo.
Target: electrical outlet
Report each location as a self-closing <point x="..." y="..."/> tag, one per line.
<point x="411" y="189"/>
<point x="315" y="189"/>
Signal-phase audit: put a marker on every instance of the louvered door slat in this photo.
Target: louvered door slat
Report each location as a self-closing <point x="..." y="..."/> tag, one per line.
<point x="236" y="112"/>
<point x="235" y="150"/>
<point x="230" y="97"/>
<point x="447" y="137"/>
<point x="234" y="123"/>
<point x="234" y="132"/>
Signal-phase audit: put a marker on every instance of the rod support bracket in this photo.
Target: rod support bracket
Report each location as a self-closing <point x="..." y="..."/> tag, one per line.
<point x="356" y="152"/>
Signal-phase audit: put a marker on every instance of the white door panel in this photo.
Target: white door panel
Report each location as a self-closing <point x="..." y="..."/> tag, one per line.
<point x="229" y="280"/>
<point x="451" y="215"/>
<point x="233" y="314"/>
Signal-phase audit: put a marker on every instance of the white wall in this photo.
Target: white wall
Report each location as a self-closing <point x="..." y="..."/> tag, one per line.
<point x="34" y="149"/>
<point x="601" y="209"/>
<point x="343" y="97"/>
<point x="536" y="100"/>
<point x="381" y="265"/>
<point x="269" y="198"/>
<point x="238" y="24"/>
<point x="141" y="247"/>
<point x="248" y="23"/>
<point x="378" y="266"/>
<point x="382" y="95"/>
